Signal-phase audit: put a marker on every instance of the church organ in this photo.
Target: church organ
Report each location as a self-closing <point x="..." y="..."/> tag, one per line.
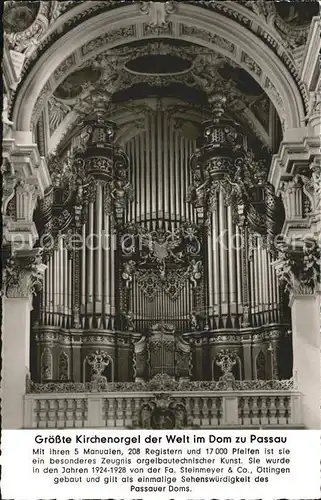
<point x="162" y="242"/>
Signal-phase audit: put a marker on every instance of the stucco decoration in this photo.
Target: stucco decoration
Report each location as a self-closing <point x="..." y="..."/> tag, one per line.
<point x="286" y="90"/>
<point x="25" y="23"/>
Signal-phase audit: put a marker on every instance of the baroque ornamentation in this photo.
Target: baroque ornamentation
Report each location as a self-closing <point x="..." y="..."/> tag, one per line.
<point x="9" y="181"/>
<point x="226" y="359"/>
<point x="161" y="412"/>
<point x="315" y="168"/>
<point x="159" y="12"/>
<point x="223" y="164"/>
<point x="25" y="24"/>
<point x="209" y="37"/>
<point x="299" y="270"/>
<point x="63" y="366"/>
<point x="111" y="36"/>
<point x="251" y="64"/>
<point x="75" y="176"/>
<point x="292" y="36"/>
<point x="98" y="361"/>
<point x="162" y="383"/>
<point x="46" y="365"/>
<point x="64" y="67"/>
<point x="299" y="197"/>
<point x="164" y="352"/>
<point x="57" y="110"/>
<point x="267" y="35"/>
<point x="23" y="273"/>
<point x="156" y="259"/>
<point x="6" y="123"/>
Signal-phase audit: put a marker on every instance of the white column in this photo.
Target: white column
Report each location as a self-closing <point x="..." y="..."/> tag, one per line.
<point x="15" y="355"/>
<point x="23" y="275"/>
<point x="306" y="355"/>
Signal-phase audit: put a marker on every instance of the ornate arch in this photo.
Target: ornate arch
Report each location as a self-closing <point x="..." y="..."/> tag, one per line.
<point x="215" y="31"/>
<point x="46" y="365"/>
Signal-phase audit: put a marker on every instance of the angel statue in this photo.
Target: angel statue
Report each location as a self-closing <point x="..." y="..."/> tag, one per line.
<point x="121" y="193"/>
<point x="195" y="271"/>
<point x="127" y="274"/>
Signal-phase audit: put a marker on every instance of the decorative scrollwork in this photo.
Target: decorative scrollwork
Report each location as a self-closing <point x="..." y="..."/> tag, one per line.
<point x="299" y="270"/>
<point x="23" y="273"/>
<point x="161" y="259"/>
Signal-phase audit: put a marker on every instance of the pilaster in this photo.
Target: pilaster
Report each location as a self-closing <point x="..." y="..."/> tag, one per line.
<point x="299" y="271"/>
<point x="22" y="277"/>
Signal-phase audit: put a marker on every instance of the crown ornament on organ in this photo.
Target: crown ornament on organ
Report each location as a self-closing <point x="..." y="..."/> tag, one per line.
<point x="75" y="175"/>
<point x="223" y="163"/>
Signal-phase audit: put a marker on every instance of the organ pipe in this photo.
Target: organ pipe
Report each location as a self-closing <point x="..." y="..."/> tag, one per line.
<point x="99" y="205"/>
<point x="160" y="174"/>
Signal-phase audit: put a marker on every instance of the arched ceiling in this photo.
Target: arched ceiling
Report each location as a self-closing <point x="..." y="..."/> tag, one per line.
<point x="244" y="49"/>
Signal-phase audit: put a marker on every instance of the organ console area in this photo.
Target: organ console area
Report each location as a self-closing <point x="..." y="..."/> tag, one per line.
<point x="158" y="243"/>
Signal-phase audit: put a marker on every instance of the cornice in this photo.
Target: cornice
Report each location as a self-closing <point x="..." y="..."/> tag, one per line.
<point x="293" y="156"/>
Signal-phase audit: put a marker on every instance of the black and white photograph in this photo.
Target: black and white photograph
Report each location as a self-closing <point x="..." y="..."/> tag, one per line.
<point x="161" y="215"/>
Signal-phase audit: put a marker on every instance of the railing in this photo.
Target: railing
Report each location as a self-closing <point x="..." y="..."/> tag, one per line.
<point x="205" y="409"/>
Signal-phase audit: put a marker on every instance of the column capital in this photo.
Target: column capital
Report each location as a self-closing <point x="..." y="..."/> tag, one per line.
<point x="23" y="273"/>
<point x="299" y="269"/>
